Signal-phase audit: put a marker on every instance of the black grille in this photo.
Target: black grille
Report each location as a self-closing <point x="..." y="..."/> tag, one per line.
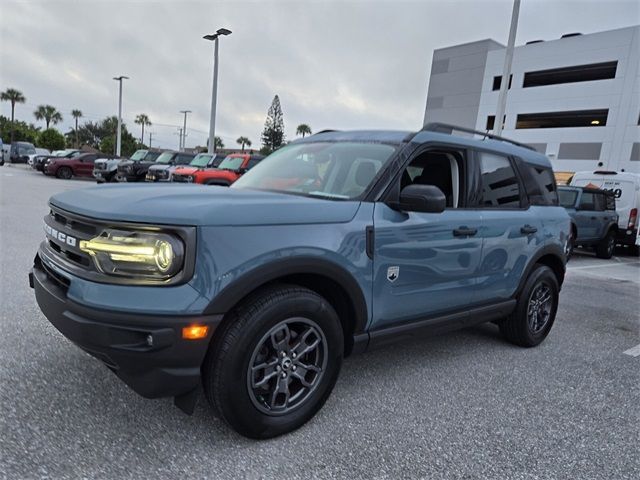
<point x="180" y="178"/>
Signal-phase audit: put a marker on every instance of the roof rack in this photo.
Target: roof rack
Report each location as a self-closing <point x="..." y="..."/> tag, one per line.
<point x="447" y="128"/>
<point x="329" y="130"/>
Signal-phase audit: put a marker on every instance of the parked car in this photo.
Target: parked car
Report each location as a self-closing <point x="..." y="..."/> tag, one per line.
<point x="20" y="151"/>
<point x="228" y="171"/>
<point x="106" y="169"/>
<point x="40" y="161"/>
<point x="1" y="153"/>
<point x="165" y="165"/>
<point x="135" y="170"/>
<point x="594" y="221"/>
<point x="625" y="187"/>
<point x="78" y="166"/>
<point x="333" y="244"/>
<point x="39" y="152"/>
<point x="201" y="161"/>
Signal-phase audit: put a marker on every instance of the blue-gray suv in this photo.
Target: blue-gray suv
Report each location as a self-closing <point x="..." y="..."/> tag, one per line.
<point x="594" y="221"/>
<point x="335" y="243"/>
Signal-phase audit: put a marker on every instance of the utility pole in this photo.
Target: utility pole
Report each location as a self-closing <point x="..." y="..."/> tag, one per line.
<point x="150" y="137"/>
<point x="214" y="93"/>
<point x="180" y="140"/>
<point x="506" y="71"/>
<point x="183" y="139"/>
<point x="119" y="133"/>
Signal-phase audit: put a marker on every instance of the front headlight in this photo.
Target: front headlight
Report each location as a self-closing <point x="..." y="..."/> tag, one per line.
<point x="146" y="255"/>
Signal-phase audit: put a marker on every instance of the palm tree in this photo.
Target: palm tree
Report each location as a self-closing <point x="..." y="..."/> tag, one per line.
<point x="243" y="141"/>
<point x="143" y="120"/>
<point x="76" y="114"/>
<point x="49" y="114"/>
<point x="14" y="96"/>
<point x="218" y="143"/>
<point x="303" y="129"/>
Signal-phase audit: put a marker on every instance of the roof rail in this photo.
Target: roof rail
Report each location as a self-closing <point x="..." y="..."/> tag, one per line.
<point x="447" y="128"/>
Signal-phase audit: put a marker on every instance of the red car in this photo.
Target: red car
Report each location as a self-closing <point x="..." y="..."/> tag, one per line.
<point x="229" y="170"/>
<point x="80" y="166"/>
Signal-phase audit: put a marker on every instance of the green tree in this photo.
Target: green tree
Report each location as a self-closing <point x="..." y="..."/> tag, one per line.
<point x="218" y="143"/>
<point x="303" y="129"/>
<point x="106" y="131"/>
<point x="273" y="133"/>
<point x="21" y="131"/>
<point x="14" y="96"/>
<point x="49" y="114"/>
<point x="76" y="114"/>
<point x="143" y="120"/>
<point x="243" y="141"/>
<point x="51" y="139"/>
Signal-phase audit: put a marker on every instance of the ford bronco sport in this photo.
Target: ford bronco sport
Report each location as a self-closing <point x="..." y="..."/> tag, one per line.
<point x="336" y="243"/>
<point x="594" y="221"/>
<point x="228" y="171"/>
<point x="135" y="170"/>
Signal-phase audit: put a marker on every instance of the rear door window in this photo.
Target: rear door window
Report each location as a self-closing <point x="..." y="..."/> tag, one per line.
<point x="499" y="182"/>
<point x="587" y="201"/>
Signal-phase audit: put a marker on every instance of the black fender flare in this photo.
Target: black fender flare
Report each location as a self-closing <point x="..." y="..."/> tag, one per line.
<point x="553" y="250"/>
<point x="238" y="289"/>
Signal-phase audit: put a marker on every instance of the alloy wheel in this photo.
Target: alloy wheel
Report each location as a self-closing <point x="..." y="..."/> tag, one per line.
<point x="539" y="308"/>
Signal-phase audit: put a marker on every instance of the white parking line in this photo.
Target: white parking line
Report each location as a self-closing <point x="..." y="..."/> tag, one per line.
<point x="634" y="351"/>
<point x="584" y="267"/>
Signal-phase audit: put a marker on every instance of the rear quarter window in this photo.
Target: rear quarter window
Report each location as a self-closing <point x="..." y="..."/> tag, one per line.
<point x="539" y="183"/>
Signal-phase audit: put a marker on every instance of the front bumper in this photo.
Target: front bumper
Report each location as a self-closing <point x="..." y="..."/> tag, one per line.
<point x="147" y="352"/>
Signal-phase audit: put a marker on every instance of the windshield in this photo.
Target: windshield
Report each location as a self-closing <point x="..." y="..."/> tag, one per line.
<point x="567" y="197"/>
<point x="339" y="170"/>
<point x="138" y="155"/>
<point x="231" y="163"/>
<point x="201" y="160"/>
<point x="165" y="157"/>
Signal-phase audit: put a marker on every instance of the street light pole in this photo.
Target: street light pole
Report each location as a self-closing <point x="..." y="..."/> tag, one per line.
<point x="119" y="133"/>
<point x="183" y="140"/>
<point x="214" y="94"/>
<point x="506" y="71"/>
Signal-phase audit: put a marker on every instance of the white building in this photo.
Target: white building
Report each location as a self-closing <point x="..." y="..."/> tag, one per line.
<point x="576" y="99"/>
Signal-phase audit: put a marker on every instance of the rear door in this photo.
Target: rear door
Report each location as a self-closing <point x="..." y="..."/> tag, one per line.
<point x="511" y="231"/>
<point x="84" y="167"/>
<point x="586" y="218"/>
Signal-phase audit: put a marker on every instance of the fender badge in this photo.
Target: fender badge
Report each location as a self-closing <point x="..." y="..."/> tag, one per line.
<point x="393" y="273"/>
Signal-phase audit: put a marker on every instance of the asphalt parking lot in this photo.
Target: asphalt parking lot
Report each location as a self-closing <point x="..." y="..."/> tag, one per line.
<point x="461" y="405"/>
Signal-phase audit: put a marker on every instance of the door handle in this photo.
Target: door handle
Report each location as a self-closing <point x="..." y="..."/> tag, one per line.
<point x="528" y="229"/>
<point x="465" y="232"/>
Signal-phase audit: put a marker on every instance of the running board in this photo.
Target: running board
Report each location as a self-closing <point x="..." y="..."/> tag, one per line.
<point x="439" y="324"/>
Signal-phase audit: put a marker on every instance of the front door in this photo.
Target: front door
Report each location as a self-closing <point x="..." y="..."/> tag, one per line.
<point x="425" y="264"/>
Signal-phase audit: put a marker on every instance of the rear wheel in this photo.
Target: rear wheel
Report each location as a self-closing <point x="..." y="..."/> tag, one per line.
<point x="535" y="312"/>
<point x="274" y="361"/>
<point x="605" y="248"/>
<point x="65" y="173"/>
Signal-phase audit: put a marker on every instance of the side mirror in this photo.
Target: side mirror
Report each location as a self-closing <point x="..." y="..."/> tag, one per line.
<point x="422" y="198"/>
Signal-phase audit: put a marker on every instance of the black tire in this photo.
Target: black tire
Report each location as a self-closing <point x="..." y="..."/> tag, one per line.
<point x="571" y="242"/>
<point x="607" y="245"/>
<point x="238" y="345"/>
<point x="517" y="328"/>
<point x="64" y="173"/>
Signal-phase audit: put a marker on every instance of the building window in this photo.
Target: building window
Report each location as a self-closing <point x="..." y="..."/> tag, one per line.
<point x="578" y="73"/>
<point x="491" y="122"/>
<point x="635" y="153"/>
<point x="497" y="82"/>
<point x="579" y="151"/>
<point x="577" y="118"/>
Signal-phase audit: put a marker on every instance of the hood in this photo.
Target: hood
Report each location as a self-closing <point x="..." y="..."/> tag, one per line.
<point x="186" y="170"/>
<point x="159" y="166"/>
<point x="186" y="204"/>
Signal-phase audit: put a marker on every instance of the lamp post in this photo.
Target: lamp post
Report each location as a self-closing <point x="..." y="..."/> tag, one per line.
<point x="506" y="71"/>
<point x="119" y="133"/>
<point x="212" y="122"/>
<point x="183" y="140"/>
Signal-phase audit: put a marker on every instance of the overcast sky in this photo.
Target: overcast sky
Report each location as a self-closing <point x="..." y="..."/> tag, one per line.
<point x="338" y="64"/>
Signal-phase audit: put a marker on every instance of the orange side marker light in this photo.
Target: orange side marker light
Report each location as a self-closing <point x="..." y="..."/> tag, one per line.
<point x="195" y="332"/>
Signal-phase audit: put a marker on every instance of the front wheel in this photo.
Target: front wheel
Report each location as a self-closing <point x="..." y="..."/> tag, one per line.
<point x="605" y="248"/>
<point x="64" y="173"/>
<point x="274" y="361"/>
<point x="535" y="312"/>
